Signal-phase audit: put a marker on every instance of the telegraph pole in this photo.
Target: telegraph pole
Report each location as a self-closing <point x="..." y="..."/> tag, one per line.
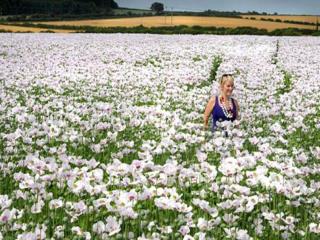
<point x="171" y="14"/>
<point x="141" y="16"/>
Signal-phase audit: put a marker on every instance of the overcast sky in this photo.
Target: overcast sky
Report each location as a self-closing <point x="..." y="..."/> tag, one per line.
<point x="269" y="6"/>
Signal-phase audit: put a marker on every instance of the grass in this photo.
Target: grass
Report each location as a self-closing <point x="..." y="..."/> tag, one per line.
<point x="287" y="84"/>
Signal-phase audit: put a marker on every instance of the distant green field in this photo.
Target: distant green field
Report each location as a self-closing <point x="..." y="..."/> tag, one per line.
<point x="122" y="11"/>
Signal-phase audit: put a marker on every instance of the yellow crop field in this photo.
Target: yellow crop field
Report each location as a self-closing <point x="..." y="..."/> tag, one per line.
<point x="310" y="19"/>
<point x="155" y="21"/>
<point x="31" y="29"/>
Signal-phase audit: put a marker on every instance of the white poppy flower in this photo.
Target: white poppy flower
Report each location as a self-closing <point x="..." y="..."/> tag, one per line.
<point x="112" y="225"/>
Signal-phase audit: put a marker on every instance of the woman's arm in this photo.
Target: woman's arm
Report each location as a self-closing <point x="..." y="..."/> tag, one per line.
<point x="208" y="111"/>
<point x="238" y="109"/>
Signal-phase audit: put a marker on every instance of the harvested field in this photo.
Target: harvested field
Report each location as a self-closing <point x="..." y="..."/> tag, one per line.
<point x="31" y="29"/>
<point x="180" y="20"/>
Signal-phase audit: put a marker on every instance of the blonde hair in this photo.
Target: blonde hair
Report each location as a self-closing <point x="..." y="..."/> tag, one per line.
<point x="226" y="77"/>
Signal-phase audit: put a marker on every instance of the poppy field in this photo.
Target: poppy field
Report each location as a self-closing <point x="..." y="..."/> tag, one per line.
<point x="102" y="137"/>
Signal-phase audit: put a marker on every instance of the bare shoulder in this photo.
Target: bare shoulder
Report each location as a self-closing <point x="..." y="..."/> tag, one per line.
<point x="210" y="104"/>
<point x="212" y="99"/>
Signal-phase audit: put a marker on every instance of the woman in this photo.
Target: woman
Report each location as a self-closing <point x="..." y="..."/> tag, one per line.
<point x="222" y="107"/>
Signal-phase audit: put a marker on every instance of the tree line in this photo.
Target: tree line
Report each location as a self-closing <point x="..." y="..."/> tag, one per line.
<point x="14" y="7"/>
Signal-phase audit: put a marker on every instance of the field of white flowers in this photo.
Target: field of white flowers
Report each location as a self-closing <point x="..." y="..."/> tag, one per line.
<point x="101" y="137"/>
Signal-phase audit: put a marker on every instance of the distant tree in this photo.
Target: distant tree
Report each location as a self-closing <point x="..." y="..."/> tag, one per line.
<point x="105" y="3"/>
<point x="275" y="13"/>
<point x="253" y="13"/>
<point x="4" y="6"/>
<point x="114" y="5"/>
<point x="158" y="7"/>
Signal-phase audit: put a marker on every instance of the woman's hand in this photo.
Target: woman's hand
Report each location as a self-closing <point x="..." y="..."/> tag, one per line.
<point x="238" y="109"/>
<point x="208" y="111"/>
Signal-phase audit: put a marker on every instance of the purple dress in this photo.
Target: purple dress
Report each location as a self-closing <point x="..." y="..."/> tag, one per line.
<point x="218" y="115"/>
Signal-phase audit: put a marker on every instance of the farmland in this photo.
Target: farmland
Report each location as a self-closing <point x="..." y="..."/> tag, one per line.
<point x="268" y="22"/>
<point x="156" y="21"/>
<point x="30" y="29"/>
